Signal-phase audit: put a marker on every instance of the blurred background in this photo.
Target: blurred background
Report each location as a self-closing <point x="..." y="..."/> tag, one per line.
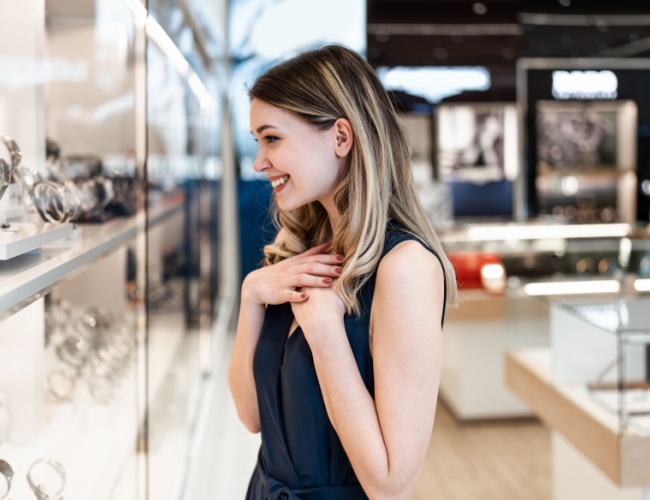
<point x="130" y="213"/>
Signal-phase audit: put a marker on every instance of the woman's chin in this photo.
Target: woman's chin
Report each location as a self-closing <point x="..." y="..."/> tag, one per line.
<point x="287" y="205"/>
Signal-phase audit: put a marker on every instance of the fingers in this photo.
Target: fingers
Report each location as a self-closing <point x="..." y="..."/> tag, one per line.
<point x="297" y="296"/>
<point x="316" y="250"/>
<point x="302" y="280"/>
<point x="325" y="258"/>
<point x="319" y="269"/>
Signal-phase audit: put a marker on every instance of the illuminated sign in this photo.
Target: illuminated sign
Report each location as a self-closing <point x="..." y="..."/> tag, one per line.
<point x="585" y="85"/>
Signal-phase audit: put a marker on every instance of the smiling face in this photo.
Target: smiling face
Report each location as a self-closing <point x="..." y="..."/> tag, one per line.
<point x="303" y="163"/>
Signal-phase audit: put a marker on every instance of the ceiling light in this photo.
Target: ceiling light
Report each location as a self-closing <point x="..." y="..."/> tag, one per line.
<point x="479" y="8"/>
<point x="435" y="83"/>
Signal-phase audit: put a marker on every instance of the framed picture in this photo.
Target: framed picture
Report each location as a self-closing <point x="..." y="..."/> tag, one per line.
<point x="585" y="159"/>
<point x="477" y="154"/>
<point x="585" y="136"/>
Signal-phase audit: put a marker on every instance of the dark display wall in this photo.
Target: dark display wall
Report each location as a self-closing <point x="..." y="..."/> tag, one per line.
<point x="633" y="84"/>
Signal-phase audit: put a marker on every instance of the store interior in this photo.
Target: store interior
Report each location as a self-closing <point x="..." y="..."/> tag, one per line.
<point x="130" y="214"/>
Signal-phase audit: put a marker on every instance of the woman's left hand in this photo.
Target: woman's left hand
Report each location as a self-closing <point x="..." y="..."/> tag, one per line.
<point x="316" y="315"/>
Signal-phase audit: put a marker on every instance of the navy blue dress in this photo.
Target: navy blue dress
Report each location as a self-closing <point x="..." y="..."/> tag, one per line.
<point x="301" y="455"/>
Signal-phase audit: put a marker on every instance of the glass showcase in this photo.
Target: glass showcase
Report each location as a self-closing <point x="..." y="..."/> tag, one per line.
<point x="109" y="183"/>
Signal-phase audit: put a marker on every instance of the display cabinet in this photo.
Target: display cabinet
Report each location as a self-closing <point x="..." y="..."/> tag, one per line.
<point x="108" y="248"/>
<point x="502" y="270"/>
<point x="590" y="387"/>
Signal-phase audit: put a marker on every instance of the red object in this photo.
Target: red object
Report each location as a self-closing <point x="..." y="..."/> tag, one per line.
<point x="468" y="266"/>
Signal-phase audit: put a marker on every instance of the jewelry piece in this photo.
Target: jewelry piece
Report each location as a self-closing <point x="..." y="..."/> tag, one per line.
<point x="73" y="351"/>
<point x="14" y="152"/>
<point x="97" y="319"/>
<point x="5" y="176"/>
<point x="46" y="478"/>
<point x="50" y="201"/>
<point x="60" y="384"/>
<point x="7" y="473"/>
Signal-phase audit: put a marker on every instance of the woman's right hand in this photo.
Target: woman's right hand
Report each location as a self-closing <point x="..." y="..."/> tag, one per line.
<point x="281" y="282"/>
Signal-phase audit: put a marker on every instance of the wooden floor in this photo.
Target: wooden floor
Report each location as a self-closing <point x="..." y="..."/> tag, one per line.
<point x="487" y="460"/>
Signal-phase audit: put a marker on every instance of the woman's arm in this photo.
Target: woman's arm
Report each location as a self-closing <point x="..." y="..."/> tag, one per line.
<point x="275" y="284"/>
<point x="387" y="438"/>
<point x="240" y="373"/>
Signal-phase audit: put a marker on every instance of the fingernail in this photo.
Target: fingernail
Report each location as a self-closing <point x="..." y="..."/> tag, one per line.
<point x="339" y="270"/>
<point x="303" y="295"/>
<point x="340" y="257"/>
<point x="327" y="281"/>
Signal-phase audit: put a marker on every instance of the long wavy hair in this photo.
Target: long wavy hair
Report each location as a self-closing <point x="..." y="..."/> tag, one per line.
<point x="319" y="87"/>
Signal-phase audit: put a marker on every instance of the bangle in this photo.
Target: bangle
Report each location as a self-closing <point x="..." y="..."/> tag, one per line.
<point x="7" y="473"/>
<point x="14" y="152"/>
<point x="43" y="476"/>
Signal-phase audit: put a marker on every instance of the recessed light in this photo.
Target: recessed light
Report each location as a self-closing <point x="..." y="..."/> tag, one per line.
<point x="479" y="8"/>
<point x="507" y="53"/>
<point x="440" y="53"/>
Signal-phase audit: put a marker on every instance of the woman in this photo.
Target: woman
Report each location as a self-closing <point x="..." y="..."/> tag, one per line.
<point x="337" y="356"/>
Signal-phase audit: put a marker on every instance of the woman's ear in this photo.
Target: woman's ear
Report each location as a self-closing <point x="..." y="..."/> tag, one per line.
<point x="344" y="137"/>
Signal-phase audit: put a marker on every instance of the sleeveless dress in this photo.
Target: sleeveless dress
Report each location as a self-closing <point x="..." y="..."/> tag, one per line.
<point x="301" y="457"/>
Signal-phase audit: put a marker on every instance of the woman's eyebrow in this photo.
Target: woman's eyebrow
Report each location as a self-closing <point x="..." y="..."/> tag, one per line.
<point x="262" y="128"/>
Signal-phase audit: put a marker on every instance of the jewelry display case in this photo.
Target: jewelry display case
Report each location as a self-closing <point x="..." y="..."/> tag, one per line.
<point x="591" y="389"/>
<point x="108" y="247"/>
<point x="590" y="385"/>
<point x="501" y="270"/>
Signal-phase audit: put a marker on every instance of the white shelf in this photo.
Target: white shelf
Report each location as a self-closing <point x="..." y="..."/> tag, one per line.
<point x="76" y="431"/>
<point x="23" y="237"/>
<point x="26" y="276"/>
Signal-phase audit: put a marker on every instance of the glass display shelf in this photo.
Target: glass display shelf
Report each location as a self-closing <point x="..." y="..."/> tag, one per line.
<point x="614" y="365"/>
<point x="28" y="277"/>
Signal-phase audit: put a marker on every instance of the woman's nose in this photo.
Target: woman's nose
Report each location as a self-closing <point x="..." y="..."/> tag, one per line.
<point x="261" y="163"/>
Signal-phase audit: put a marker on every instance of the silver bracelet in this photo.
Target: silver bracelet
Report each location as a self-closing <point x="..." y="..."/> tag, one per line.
<point x="47" y="469"/>
<point x="7" y="473"/>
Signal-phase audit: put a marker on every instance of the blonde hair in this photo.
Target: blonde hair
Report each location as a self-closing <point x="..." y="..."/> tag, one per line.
<point x="319" y="87"/>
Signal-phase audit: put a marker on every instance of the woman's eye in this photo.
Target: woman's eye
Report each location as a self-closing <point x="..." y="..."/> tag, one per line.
<point x="270" y="139"/>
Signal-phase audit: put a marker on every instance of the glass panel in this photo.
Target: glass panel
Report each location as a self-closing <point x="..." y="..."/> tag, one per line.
<point x="91" y="136"/>
<point x="180" y="272"/>
<point x="70" y="313"/>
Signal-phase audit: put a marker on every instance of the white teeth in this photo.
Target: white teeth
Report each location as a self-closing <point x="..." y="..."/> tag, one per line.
<point x="275" y="183"/>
